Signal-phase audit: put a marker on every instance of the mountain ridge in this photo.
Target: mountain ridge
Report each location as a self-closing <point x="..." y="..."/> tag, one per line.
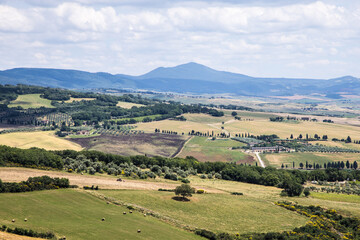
<point x="185" y="78"/>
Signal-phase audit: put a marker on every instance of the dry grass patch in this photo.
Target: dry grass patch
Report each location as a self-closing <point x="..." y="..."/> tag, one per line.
<point x="128" y="105"/>
<point x="79" y="99"/>
<point x="41" y="139"/>
<point x="285" y="129"/>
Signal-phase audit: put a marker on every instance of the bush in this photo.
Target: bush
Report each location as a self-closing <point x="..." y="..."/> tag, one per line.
<point x="200" y="191"/>
<point x="206" y="234"/>
<point x="25" y="232"/>
<point x="166" y="190"/>
<point x="306" y="192"/>
<point x="184" y="180"/>
<point x="237" y="193"/>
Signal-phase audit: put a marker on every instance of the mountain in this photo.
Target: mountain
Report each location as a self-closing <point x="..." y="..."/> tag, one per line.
<point x="194" y="71"/>
<point x="185" y="78"/>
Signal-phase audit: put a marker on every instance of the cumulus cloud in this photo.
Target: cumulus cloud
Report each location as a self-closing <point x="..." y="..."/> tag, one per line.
<point x="261" y="38"/>
<point x="13" y="20"/>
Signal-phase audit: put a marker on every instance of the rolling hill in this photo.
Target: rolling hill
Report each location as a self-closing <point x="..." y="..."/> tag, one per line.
<point x="185" y="78"/>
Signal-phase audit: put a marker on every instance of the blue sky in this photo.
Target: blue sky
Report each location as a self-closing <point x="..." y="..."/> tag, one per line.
<point x="279" y="38"/>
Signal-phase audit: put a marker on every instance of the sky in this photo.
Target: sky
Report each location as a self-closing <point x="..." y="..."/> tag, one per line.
<point x="261" y="38"/>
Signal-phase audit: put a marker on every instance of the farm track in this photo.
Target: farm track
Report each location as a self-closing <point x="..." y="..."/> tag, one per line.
<point x="260" y="161"/>
<point x="9" y="174"/>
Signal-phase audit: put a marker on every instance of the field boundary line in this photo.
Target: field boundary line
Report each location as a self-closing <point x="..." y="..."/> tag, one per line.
<point x="180" y="149"/>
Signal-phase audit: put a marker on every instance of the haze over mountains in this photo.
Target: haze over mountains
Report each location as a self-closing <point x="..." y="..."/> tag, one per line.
<point x="185" y="78"/>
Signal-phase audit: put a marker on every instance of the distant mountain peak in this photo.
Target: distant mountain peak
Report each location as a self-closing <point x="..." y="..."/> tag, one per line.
<point x="193" y="71"/>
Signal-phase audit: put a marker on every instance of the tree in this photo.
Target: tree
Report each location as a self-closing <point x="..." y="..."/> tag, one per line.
<point x="185" y="190"/>
<point x="306" y="192"/>
<point x="355" y="164"/>
<point x="347" y="164"/>
<point x="292" y="188"/>
<point x="348" y="139"/>
<point x="234" y="114"/>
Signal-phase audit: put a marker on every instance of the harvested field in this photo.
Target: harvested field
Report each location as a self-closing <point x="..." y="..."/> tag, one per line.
<point x="128" y="105"/>
<point x="78" y="215"/>
<point x="79" y="99"/>
<point x="41" y="139"/>
<point x="9" y="236"/>
<point x="151" y="144"/>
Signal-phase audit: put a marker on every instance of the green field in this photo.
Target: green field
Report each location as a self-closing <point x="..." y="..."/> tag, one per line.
<point x="336" y="197"/>
<point x="30" y="101"/>
<point x="205" y="149"/>
<point x="277" y="159"/>
<point x="77" y="215"/>
<point x="220" y="212"/>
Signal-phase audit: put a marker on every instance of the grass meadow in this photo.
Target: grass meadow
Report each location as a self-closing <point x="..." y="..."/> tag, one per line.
<point x="219" y="150"/>
<point x="221" y="212"/>
<point x="30" y="101"/>
<point x="78" y="215"/>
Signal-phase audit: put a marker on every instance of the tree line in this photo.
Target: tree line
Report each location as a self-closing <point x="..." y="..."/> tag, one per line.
<point x="34" y="184"/>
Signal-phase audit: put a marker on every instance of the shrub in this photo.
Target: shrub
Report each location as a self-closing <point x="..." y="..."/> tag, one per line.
<point x="206" y="234"/>
<point x="306" y="192"/>
<point x="184" y="180"/>
<point x="237" y="193"/>
<point x="200" y="191"/>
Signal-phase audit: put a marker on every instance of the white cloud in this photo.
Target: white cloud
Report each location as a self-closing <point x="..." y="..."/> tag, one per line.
<point x="13" y="20"/>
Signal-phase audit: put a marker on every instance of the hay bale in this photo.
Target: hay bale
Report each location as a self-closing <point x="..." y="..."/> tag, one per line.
<point x="130" y="212"/>
<point x="139" y="231"/>
<point x="124" y="213"/>
<point x="25" y="220"/>
<point x="13" y="220"/>
<point x="144" y="214"/>
<point x="103" y="219"/>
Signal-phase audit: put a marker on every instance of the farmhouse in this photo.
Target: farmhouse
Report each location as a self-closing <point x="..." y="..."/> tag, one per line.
<point x="270" y="149"/>
<point x="83" y="132"/>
